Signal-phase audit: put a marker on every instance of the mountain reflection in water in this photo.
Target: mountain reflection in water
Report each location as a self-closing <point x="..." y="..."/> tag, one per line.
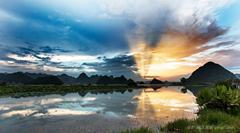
<point x="96" y="110"/>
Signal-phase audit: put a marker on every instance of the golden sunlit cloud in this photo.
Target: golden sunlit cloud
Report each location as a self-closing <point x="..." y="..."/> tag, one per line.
<point x="167" y="58"/>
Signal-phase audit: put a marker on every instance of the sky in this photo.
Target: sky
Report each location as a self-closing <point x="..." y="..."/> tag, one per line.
<point x="167" y="39"/>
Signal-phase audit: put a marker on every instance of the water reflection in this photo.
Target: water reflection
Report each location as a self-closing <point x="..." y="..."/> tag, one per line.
<point x="164" y="105"/>
<point x="120" y="108"/>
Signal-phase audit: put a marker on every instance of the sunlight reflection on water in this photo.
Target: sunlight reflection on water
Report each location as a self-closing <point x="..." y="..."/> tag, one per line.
<point x="142" y="107"/>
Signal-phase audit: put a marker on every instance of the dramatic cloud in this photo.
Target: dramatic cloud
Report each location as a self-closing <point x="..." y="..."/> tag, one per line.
<point x="42" y="59"/>
<point x="45" y="26"/>
<point x="162" y="38"/>
<point x="161" y="41"/>
<point x="117" y="66"/>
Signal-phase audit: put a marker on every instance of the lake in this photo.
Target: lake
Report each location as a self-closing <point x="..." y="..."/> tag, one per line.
<point x="96" y="111"/>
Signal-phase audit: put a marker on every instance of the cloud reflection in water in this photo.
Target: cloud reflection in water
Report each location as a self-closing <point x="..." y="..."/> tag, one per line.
<point x="137" y="107"/>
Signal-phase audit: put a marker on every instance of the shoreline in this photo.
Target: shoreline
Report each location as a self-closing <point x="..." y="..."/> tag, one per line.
<point x="39" y="90"/>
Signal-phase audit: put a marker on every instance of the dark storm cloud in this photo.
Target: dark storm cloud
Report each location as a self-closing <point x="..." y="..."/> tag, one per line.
<point x="153" y="30"/>
<point x="119" y="65"/>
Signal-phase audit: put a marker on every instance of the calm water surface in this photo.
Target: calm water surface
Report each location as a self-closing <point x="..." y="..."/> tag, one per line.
<point x="96" y="111"/>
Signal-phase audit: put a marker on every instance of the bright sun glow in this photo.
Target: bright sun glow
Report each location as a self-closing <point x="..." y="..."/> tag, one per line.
<point x="165" y="103"/>
<point x="167" y="58"/>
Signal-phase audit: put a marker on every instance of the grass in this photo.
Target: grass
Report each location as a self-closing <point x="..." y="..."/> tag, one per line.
<point x="218" y="118"/>
<point x="178" y="125"/>
<point x="35" y="90"/>
<point x="209" y="121"/>
<point x="219" y="113"/>
<point x="139" y="130"/>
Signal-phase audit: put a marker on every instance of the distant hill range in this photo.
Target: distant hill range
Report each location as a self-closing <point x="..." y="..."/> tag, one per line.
<point x="46" y="80"/>
<point x="209" y="73"/>
<point x="15" y="78"/>
<point x="39" y="78"/>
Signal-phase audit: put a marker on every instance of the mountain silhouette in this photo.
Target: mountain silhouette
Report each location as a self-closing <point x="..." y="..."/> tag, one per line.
<point x="41" y="78"/>
<point x="29" y="78"/>
<point x="131" y="82"/>
<point x="15" y="78"/>
<point x="119" y="80"/>
<point x="83" y="76"/>
<point x="210" y="73"/>
<point x="115" y="80"/>
<point x="48" y="80"/>
<point x="104" y="79"/>
<point x="36" y="75"/>
<point x="83" y="79"/>
<point x="66" y="79"/>
<point x="156" y="81"/>
<point x="94" y="79"/>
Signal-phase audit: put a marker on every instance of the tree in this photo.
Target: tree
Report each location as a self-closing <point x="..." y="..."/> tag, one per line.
<point x="183" y="80"/>
<point x="130" y="82"/>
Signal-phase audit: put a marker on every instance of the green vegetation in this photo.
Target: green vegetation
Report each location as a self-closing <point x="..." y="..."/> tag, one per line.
<point x="140" y="130"/>
<point x="219" y="113"/>
<point x="178" y="125"/>
<point x="218" y="118"/>
<point x="221" y="97"/>
<point x="208" y="121"/>
<point x="35" y="90"/>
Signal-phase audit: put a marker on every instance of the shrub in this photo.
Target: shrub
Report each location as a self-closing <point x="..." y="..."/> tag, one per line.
<point x="220" y="97"/>
<point x="178" y="125"/>
<point x="231" y="83"/>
